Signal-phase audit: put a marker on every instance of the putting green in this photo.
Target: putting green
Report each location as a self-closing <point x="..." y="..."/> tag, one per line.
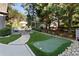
<point x="50" y="45"/>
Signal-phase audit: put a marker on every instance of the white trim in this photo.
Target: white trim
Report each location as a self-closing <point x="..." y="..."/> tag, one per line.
<point x="30" y="50"/>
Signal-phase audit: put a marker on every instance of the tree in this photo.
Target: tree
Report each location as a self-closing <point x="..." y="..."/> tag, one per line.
<point x="14" y="14"/>
<point x="62" y="12"/>
<point x="30" y="10"/>
<point x="71" y="9"/>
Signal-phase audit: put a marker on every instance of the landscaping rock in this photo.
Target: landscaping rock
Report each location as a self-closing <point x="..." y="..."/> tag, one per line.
<point x="73" y="50"/>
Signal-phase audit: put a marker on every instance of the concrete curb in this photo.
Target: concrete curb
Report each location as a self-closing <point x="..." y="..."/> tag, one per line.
<point x="29" y="50"/>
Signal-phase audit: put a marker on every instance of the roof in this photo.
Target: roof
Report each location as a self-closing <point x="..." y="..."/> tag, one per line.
<point x="3" y="8"/>
<point x="23" y="22"/>
<point x="3" y="13"/>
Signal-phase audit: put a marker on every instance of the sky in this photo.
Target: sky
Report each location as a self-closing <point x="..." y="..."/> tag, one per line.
<point x="19" y="8"/>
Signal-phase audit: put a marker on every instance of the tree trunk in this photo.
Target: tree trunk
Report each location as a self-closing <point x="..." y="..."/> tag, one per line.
<point x="46" y="27"/>
<point x="70" y="22"/>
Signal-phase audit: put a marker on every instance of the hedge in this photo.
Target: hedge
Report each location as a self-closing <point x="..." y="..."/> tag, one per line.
<point x="5" y="31"/>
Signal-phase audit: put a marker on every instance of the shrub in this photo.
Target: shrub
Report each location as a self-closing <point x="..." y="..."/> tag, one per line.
<point x="37" y="29"/>
<point x="9" y="26"/>
<point x="5" y="31"/>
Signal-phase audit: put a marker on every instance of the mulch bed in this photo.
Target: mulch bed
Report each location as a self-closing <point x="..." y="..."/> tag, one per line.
<point x="61" y="33"/>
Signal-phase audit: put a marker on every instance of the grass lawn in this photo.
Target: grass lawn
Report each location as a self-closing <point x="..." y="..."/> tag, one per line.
<point x="45" y="45"/>
<point x="6" y="40"/>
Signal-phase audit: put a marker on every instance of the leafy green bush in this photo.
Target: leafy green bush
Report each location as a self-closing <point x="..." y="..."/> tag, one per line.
<point x="37" y="29"/>
<point x="9" y="26"/>
<point x="5" y="31"/>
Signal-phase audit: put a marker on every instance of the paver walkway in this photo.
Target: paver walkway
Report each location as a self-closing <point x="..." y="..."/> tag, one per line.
<point x="17" y="47"/>
<point x="73" y="50"/>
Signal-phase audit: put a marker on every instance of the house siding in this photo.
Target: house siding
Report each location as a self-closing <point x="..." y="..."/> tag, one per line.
<point x="3" y="9"/>
<point x="2" y="22"/>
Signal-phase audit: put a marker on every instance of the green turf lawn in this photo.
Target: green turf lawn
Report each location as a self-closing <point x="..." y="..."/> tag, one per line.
<point x="45" y="45"/>
<point x="6" y="40"/>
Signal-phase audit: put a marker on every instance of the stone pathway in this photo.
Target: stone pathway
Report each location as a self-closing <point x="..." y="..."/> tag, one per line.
<point x="17" y="47"/>
<point x="73" y="50"/>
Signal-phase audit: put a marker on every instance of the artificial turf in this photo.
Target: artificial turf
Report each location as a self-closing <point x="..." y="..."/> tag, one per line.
<point x="6" y="40"/>
<point x="45" y="45"/>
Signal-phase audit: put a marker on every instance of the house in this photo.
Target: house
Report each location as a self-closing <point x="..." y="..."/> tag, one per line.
<point x="3" y="14"/>
<point x="18" y="26"/>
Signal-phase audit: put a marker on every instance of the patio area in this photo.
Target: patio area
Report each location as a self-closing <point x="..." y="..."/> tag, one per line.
<point x="40" y="46"/>
<point x="52" y="26"/>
